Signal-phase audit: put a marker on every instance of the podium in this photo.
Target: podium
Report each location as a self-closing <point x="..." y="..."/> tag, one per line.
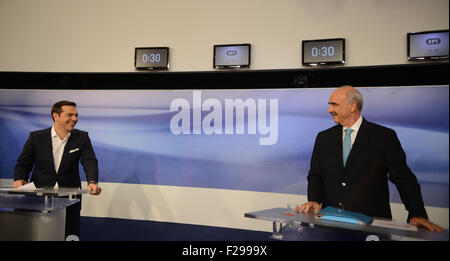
<point x="298" y="227"/>
<point x="37" y="215"/>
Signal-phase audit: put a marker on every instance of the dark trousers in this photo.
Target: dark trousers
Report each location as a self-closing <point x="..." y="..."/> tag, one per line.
<point x="73" y="219"/>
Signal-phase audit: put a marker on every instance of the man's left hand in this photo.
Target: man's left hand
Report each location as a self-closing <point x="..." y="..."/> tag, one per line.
<point x="419" y="221"/>
<point x="94" y="189"/>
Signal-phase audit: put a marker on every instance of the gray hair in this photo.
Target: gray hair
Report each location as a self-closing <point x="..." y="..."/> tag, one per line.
<point x="355" y="96"/>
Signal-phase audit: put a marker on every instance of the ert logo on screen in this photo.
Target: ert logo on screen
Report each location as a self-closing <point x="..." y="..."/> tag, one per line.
<point x="232" y="52"/>
<point x="211" y="123"/>
<point x="431" y="41"/>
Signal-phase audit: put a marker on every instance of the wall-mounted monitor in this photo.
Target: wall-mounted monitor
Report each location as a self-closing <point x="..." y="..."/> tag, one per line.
<point x="323" y="51"/>
<point x="151" y="58"/>
<point x="429" y="45"/>
<point x="232" y="56"/>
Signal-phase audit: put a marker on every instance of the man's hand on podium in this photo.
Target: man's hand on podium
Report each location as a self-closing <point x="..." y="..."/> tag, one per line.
<point x="94" y="189"/>
<point x="418" y="221"/>
<point x="309" y="206"/>
<point x="19" y="183"/>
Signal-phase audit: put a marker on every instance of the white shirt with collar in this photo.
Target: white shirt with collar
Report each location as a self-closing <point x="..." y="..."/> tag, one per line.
<point x="355" y="128"/>
<point x="58" y="146"/>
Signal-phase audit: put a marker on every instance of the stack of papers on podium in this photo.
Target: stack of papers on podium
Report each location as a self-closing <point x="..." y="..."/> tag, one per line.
<point x="393" y="224"/>
<point x="335" y="214"/>
<point x="29" y="187"/>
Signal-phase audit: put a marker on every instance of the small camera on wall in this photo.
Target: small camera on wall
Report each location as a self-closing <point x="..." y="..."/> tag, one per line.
<point x="300" y="81"/>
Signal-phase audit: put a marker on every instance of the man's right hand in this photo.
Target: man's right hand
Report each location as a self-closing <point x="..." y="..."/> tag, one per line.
<point x="310" y="206"/>
<point x="19" y="183"/>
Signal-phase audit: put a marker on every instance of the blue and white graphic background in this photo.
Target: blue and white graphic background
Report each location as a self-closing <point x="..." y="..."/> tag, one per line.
<point x="133" y="142"/>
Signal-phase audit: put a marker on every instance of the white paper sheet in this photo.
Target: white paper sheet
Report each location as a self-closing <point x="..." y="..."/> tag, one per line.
<point x="29" y="187"/>
<point x="393" y="224"/>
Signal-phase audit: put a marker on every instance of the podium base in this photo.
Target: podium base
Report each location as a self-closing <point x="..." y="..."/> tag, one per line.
<point x="17" y="225"/>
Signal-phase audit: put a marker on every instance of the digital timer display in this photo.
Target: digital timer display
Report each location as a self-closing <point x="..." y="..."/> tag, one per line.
<point x="325" y="51"/>
<point x="151" y="58"/>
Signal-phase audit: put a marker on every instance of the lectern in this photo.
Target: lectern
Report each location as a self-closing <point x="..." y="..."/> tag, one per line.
<point x="37" y="215"/>
<point x="288" y="225"/>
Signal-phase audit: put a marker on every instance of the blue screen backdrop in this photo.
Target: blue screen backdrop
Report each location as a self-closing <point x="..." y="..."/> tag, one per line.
<point x="135" y="142"/>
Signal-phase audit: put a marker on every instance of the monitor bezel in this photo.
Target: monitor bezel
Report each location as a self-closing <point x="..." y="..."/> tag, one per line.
<point x="323" y="63"/>
<point x="165" y="67"/>
<point x="237" y="66"/>
<point x="423" y="58"/>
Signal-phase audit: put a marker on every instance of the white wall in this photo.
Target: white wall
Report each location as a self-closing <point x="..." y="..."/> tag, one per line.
<point x="100" y="35"/>
<point x="202" y="206"/>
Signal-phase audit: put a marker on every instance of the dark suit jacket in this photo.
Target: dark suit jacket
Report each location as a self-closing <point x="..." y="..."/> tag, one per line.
<point x="362" y="185"/>
<point x="37" y="152"/>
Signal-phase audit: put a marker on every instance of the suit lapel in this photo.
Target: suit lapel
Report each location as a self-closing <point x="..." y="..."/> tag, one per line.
<point x="49" y="147"/>
<point x="337" y="147"/>
<point x="69" y="145"/>
<point x="361" y="138"/>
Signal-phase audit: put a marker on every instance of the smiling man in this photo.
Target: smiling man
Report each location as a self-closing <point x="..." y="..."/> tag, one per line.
<point x="353" y="161"/>
<point x="55" y="154"/>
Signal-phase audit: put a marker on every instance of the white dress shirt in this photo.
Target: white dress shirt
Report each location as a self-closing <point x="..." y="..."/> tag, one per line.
<point x="355" y="128"/>
<point x="58" y="146"/>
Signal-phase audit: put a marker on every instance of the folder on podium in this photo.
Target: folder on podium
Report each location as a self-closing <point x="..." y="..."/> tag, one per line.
<point x="285" y="221"/>
<point x="340" y="215"/>
<point x="37" y="214"/>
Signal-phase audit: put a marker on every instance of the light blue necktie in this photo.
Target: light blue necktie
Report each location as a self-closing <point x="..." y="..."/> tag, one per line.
<point x="347" y="146"/>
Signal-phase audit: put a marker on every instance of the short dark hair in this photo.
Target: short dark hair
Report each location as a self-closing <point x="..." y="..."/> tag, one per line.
<point x="57" y="107"/>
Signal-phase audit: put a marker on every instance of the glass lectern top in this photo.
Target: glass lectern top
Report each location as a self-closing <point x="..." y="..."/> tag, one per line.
<point x="49" y="191"/>
<point x="38" y="199"/>
<point x="282" y="215"/>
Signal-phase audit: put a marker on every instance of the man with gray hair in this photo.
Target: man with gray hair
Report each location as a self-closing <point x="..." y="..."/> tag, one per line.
<point x="352" y="162"/>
